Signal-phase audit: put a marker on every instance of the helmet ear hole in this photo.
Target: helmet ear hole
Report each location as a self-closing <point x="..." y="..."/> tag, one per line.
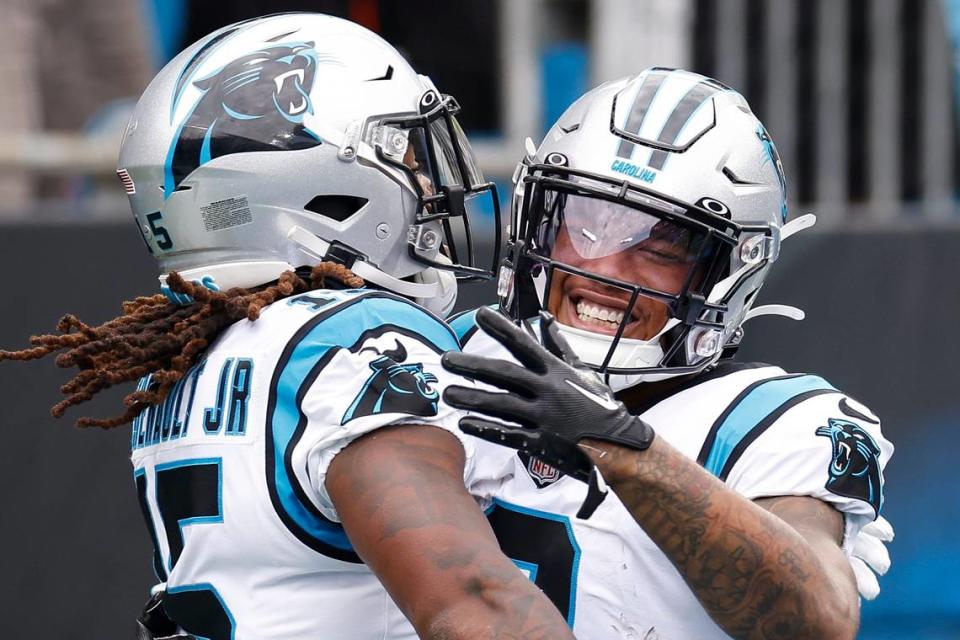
<point x="337" y="208"/>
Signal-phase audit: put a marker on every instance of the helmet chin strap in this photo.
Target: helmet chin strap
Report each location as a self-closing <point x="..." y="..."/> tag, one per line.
<point x="775" y="310"/>
<point x="797" y="225"/>
<point x="228" y="275"/>
<point x="630" y="353"/>
<point x="442" y="303"/>
<point x="318" y="248"/>
<point x="434" y="289"/>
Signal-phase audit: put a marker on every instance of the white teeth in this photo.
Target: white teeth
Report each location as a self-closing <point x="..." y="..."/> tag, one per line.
<point x="597" y="313"/>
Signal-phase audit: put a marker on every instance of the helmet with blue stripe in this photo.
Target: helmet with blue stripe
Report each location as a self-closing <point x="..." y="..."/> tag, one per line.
<point x="647" y="221"/>
<point x="280" y="142"/>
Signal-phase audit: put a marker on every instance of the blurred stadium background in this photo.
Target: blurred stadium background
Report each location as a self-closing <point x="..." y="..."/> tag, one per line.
<point x="860" y="96"/>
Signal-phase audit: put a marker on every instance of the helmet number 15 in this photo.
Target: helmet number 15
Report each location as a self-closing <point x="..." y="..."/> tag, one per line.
<point x="160" y="235"/>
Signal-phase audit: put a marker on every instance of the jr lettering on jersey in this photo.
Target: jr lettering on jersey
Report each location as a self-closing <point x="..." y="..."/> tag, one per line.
<point x="225" y="413"/>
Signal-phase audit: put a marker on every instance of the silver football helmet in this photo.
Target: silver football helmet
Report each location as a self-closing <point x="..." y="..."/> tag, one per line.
<point x="276" y="143"/>
<point x="646" y="222"/>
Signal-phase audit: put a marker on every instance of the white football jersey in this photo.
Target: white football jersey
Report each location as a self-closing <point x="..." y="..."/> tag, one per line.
<point x="760" y="430"/>
<point x="230" y="468"/>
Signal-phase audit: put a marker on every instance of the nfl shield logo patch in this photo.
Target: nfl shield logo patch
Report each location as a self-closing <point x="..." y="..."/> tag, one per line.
<point x="542" y="474"/>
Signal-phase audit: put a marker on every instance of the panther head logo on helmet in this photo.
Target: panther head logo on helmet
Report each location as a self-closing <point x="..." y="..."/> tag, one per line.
<point x="214" y="198"/>
<point x="255" y="103"/>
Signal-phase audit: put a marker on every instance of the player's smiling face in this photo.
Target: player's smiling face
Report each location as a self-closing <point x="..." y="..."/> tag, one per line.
<point x="644" y="251"/>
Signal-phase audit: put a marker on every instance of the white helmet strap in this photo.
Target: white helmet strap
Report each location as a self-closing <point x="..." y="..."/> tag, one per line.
<point x="584" y="342"/>
<point x="434" y="289"/>
<point x="251" y="273"/>
<point x="775" y="310"/>
<point x="442" y="303"/>
<point x="797" y="225"/>
<point x="723" y="287"/>
<point x="319" y="248"/>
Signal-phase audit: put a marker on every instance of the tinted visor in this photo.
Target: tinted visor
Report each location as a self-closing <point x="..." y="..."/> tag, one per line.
<point x="433" y="146"/>
<point x="621" y="242"/>
<point x="434" y="151"/>
<point x="443" y="155"/>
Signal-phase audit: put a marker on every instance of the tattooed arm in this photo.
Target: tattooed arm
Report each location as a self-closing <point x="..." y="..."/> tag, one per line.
<point x="766" y="569"/>
<point x="757" y="575"/>
<point x="400" y="495"/>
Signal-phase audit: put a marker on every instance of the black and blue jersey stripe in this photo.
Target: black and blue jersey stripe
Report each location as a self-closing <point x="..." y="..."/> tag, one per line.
<point x="343" y="326"/>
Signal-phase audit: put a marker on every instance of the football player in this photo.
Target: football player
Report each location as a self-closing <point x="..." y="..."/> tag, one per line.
<point x="643" y="228"/>
<point x="297" y="469"/>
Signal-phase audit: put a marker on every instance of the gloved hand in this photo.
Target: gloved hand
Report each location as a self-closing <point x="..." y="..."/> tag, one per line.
<point x="555" y="398"/>
<point x="154" y="624"/>
<point x="870" y="556"/>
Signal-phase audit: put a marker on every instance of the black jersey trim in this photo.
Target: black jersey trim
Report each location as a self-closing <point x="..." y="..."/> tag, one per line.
<point x="347" y="555"/>
<point x="344" y="552"/>
<point x="853" y="413"/>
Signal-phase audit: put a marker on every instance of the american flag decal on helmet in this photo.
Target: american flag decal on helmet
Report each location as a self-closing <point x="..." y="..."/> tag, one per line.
<point x="127" y="181"/>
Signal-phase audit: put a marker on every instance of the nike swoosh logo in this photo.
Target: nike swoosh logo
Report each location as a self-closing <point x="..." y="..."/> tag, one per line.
<point x="853" y="413"/>
<point x="605" y="402"/>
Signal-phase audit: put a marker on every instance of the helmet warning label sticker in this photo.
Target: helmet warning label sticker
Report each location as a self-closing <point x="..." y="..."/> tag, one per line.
<point x="224" y="214"/>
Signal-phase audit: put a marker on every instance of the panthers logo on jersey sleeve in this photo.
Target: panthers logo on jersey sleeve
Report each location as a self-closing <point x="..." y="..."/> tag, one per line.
<point x="395" y="387"/>
<point x="855" y="465"/>
<point x="360" y="360"/>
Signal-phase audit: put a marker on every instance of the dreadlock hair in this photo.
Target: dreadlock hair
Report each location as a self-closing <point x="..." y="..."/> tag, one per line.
<point x="156" y="337"/>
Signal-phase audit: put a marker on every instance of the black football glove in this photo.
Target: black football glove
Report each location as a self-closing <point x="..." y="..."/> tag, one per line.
<point x="557" y="399"/>
<point x="154" y="624"/>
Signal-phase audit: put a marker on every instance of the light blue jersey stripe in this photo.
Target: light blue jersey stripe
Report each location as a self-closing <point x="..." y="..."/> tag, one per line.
<point x="750" y="411"/>
<point x="463" y="323"/>
<point x="343" y="328"/>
